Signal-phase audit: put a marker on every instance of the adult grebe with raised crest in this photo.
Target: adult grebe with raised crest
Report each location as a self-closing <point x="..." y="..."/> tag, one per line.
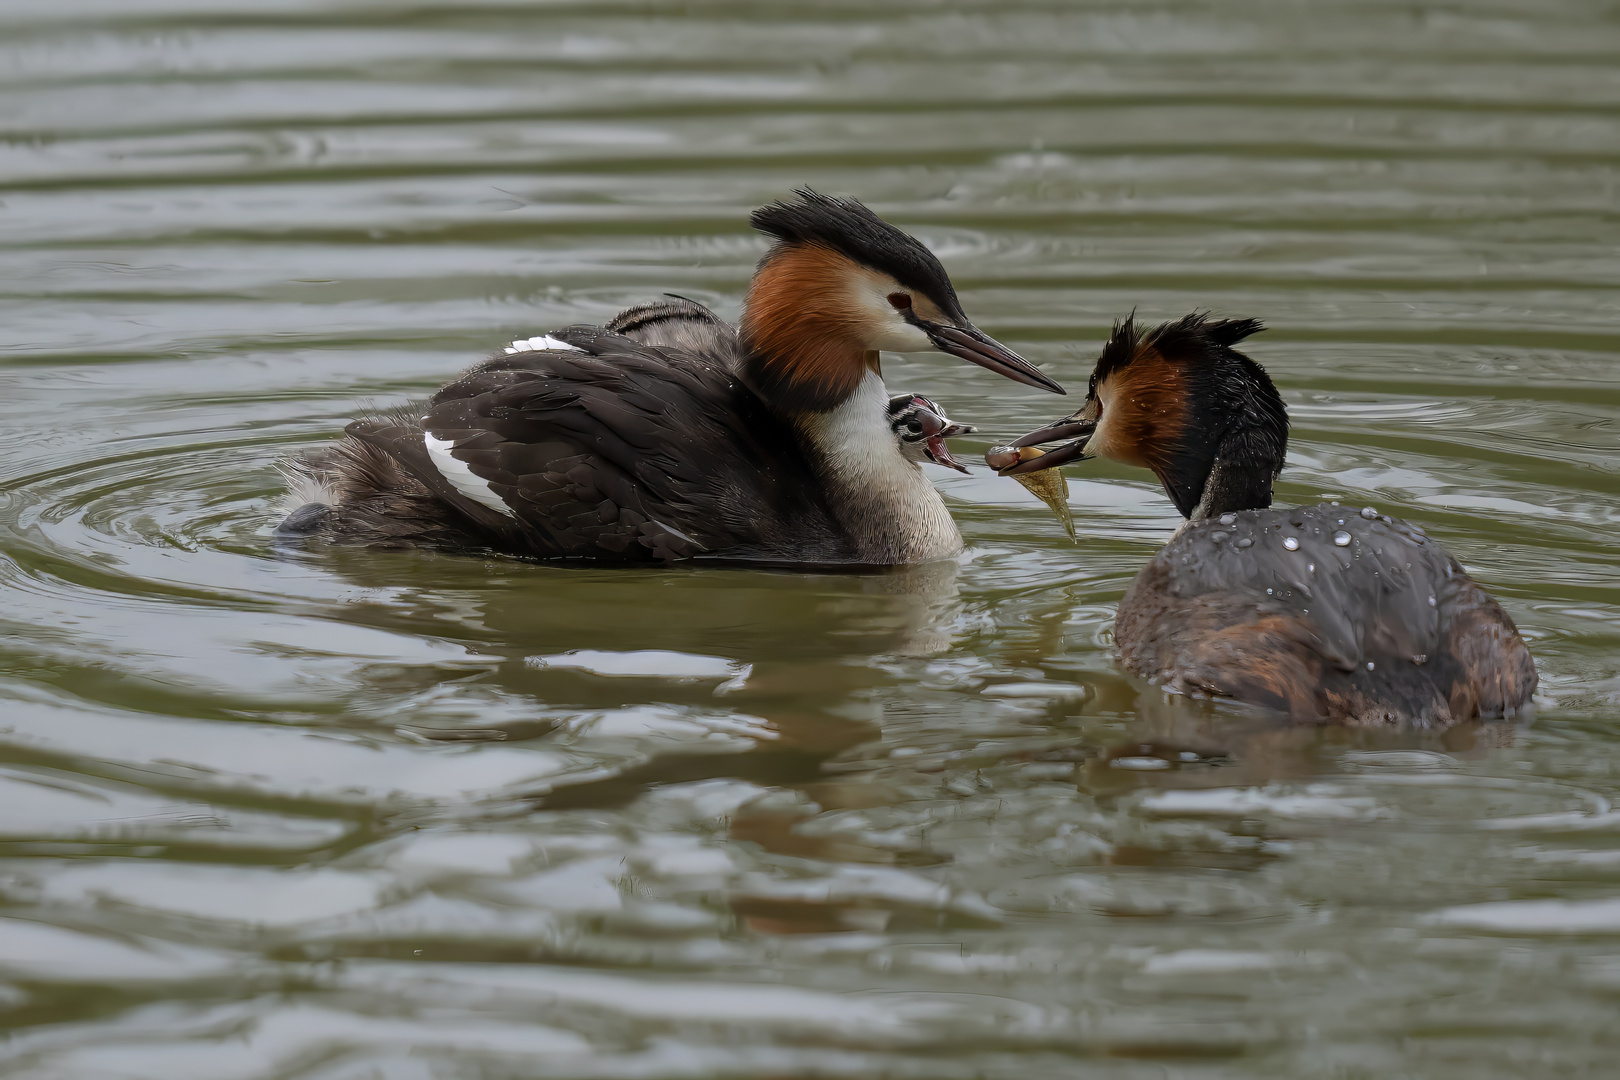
<point x="1320" y="612"/>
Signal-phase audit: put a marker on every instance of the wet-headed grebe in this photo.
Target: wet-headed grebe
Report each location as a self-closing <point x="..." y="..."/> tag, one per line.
<point x="668" y="435"/>
<point x="1323" y="613"/>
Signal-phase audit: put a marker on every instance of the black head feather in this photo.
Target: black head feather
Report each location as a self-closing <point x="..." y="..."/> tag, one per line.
<point x="849" y="228"/>
<point x="1117" y="352"/>
<point x="1236" y="431"/>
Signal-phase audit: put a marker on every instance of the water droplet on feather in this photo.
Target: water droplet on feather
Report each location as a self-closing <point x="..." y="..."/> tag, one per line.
<point x="1290" y="543"/>
<point x="1368" y="512"/>
<point x="1341" y="539"/>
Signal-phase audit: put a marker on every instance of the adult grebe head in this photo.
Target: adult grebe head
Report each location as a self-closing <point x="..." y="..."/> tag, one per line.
<point x="840" y="284"/>
<point x="1180" y="400"/>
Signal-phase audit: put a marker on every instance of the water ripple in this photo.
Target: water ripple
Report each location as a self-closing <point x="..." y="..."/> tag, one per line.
<point x="299" y="813"/>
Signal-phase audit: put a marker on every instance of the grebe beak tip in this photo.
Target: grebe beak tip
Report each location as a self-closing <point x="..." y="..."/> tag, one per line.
<point x="974" y="345"/>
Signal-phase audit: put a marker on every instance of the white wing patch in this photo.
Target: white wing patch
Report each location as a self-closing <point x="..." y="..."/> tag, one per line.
<point x="542" y="343"/>
<point x="461" y="477"/>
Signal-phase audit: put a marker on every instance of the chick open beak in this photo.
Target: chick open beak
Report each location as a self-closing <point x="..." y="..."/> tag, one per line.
<point x="1008" y="462"/>
<point x="936" y="430"/>
<point x="971" y="343"/>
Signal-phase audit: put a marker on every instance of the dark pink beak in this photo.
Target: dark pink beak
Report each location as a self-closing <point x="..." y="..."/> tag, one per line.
<point x="936" y="429"/>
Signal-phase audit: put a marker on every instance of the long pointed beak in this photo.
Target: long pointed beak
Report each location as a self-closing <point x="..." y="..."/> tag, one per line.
<point x="1051" y="459"/>
<point x="971" y="343"/>
<point x="1007" y="461"/>
<point x="1070" y="427"/>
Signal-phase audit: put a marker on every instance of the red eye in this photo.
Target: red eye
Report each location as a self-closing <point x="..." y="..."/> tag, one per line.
<point x="900" y="301"/>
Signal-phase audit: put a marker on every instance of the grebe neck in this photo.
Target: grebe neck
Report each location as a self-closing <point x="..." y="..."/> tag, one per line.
<point x="1240" y="476"/>
<point x="884" y="502"/>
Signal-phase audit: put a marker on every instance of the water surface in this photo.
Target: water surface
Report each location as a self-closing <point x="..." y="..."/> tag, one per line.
<point x="344" y="814"/>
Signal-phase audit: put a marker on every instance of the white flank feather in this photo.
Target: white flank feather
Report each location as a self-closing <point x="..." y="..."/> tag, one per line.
<point x="461" y="477"/>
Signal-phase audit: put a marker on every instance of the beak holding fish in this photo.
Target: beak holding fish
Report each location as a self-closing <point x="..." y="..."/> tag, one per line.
<point x="1036" y="468"/>
<point x="922" y="428"/>
<point x="1046" y="485"/>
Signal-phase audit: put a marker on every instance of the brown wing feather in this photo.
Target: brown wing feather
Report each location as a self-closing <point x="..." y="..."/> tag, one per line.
<point x="1385" y="628"/>
<point x="619" y="451"/>
<point x="375" y="500"/>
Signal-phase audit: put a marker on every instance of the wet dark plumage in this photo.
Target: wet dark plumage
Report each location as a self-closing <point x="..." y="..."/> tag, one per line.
<point x="1323" y="632"/>
<point x="1261" y="605"/>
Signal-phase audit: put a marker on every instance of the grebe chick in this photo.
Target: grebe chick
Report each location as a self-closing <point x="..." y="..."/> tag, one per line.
<point x="922" y="428"/>
<point x="668" y="435"/>
<point x="1322" y="613"/>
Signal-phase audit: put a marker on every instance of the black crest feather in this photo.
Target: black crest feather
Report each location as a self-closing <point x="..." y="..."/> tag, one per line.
<point x="851" y="229"/>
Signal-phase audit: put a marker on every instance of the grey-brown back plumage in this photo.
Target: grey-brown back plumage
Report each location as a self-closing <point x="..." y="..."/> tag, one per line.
<point x="1385" y="628"/>
<point x="622" y="450"/>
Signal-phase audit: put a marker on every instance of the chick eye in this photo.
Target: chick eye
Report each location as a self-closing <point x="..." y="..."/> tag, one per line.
<point x="900" y="301"/>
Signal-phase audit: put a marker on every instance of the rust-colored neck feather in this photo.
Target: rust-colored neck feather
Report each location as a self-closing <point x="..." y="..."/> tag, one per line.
<point x="802" y="339"/>
<point x="1150" y="421"/>
<point x="1145" y="414"/>
<point x="1180" y="400"/>
<point x="1214" y="436"/>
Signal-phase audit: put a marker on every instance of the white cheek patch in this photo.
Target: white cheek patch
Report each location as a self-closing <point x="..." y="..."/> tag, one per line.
<point x="543" y="343"/>
<point x="901" y="336"/>
<point x="461" y="477"/>
<point x="883" y="326"/>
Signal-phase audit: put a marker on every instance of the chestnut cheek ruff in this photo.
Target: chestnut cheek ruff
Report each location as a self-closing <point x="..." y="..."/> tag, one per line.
<point x="1146" y="421"/>
<point x="804" y="343"/>
<point x="1177" y="400"/>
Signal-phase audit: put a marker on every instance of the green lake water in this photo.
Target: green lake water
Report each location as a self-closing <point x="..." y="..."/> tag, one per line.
<point x="348" y="815"/>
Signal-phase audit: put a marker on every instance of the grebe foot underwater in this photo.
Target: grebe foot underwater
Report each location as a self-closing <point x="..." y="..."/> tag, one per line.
<point x="1322" y="613"/>
<point x="669" y="435"/>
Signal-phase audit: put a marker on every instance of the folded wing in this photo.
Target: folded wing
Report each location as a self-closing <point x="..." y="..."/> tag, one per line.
<point x="607" y="448"/>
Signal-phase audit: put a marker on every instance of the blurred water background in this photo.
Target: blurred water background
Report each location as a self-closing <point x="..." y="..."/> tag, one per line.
<point x="348" y="815"/>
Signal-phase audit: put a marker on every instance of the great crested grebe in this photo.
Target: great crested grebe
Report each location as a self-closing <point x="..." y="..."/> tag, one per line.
<point x="668" y="435"/>
<point x="1323" y="613"/>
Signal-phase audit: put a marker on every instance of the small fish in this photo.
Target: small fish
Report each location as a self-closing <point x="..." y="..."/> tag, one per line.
<point x="1048" y="486"/>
